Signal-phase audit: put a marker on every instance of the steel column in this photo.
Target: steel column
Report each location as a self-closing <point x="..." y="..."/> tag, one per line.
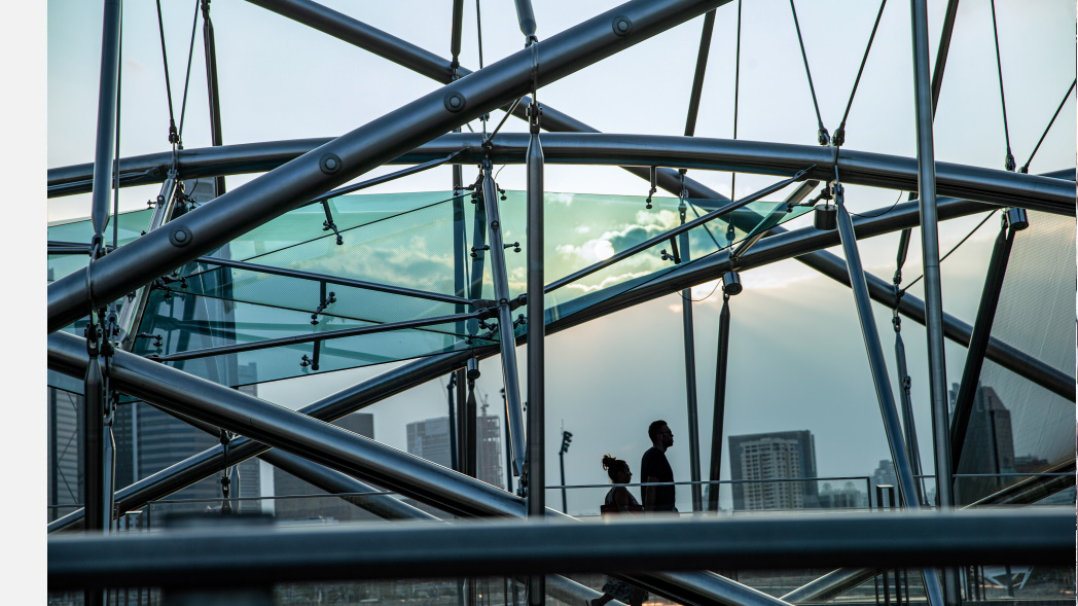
<point x="982" y="329"/>
<point x="352" y="154"/>
<point x="926" y="178"/>
<point x="536" y="327"/>
<point x="690" y="371"/>
<point x="210" y="48"/>
<point x="880" y="380"/>
<point x="930" y="256"/>
<point x="513" y="412"/>
<point x="722" y="359"/>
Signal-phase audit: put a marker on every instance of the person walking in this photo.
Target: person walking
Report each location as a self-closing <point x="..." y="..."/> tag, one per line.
<point x="619" y="500"/>
<point x="655" y="468"/>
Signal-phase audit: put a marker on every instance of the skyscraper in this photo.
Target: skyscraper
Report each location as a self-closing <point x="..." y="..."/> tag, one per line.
<point x="489" y="448"/>
<point x="430" y="439"/>
<point x="310" y="501"/>
<point x="777" y="455"/>
<point x="989" y="446"/>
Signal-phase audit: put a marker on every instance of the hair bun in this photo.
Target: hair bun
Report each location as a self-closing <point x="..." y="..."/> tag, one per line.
<point x="608" y="461"/>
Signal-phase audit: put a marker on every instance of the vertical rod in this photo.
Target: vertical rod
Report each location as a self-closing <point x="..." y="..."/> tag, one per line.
<point x="930" y="254"/>
<point x="690" y="372"/>
<point x="926" y="183"/>
<point x="93" y="413"/>
<point x="459" y="288"/>
<point x="878" y="367"/>
<point x="698" y="76"/>
<point x="468" y="421"/>
<point x="944" y="48"/>
<point x="454" y="37"/>
<point x="93" y="451"/>
<point x="454" y="448"/>
<point x="720" y="404"/>
<point x="210" y="49"/>
<point x="505" y="320"/>
<point x="526" y="18"/>
<point x="108" y="96"/>
<point x="564" y="496"/>
<point x="912" y="448"/>
<point x="978" y="342"/>
<point x="536" y="460"/>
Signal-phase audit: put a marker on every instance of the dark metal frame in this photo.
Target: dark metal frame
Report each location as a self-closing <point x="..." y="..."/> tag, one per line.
<point x="302" y="171"/>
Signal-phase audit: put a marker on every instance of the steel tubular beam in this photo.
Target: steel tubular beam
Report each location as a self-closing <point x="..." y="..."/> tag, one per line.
<point x="513" y="410"/>
<point x="297" y="433"/>
<point x="698" y="76"/>
<point x="690" y="372"/>
<point x="210" y="49"/>
<point x="536" y="328"/>
<point x="878" y="366"/>
<point x="1049" y="193"/>
<point x="943" y="50"/>
<point x="874" y="352"/>
<point x="930" y="259"/>
<point x="108" y="97"/>
<point x="1034" y="537"/>
<point x="352" y="154"/>
<point x="342" y="450"/>
<point x="982" y="329"/>
<point x="719" y="415"/>
<point x="64" y="358"/>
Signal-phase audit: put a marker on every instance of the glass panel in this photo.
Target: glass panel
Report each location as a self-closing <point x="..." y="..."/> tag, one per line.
<point x="185" y="322"/>
<point x="130" y="225"/>
<point x="617" y="233"/>
<point x="1017" y="427"/>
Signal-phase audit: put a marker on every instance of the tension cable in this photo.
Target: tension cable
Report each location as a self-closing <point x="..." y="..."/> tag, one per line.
<point x="823" y="138"/>
<point x="822" y="135"/>
<point x="1025" y="167"/>
<point x="1008" y="162"/>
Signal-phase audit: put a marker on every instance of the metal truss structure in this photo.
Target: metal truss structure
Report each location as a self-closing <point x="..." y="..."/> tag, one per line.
<point x="424" y="133"/>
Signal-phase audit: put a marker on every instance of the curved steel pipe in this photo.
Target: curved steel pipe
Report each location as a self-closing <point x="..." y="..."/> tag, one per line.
<point x="1046" y="193"/>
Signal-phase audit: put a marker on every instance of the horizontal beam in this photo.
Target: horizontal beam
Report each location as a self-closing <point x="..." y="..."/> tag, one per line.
<point x="195" y="558"/>
<point x="1053" y="194"/>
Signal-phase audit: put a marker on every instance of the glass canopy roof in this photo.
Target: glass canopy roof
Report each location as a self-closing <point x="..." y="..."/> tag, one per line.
<point x="394" y="261"/>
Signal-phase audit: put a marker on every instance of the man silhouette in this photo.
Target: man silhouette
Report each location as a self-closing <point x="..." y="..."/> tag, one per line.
<point x="655" y="468"/>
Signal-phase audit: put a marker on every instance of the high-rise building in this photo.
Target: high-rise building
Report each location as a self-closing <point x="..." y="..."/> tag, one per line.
<point x="298" y="499"/>
<point x="989" y="446"/>
<point x="430" y="439"/>
<point x="787" y="455"/>
<point x="489" y="448"/>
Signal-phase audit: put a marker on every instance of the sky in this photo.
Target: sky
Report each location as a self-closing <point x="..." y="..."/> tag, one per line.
<point x="797" y="355"/>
